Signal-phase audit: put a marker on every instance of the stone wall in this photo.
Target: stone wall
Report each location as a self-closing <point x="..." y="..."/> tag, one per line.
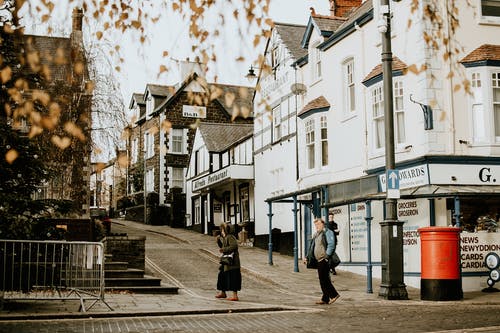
<point x="128" y="249"/>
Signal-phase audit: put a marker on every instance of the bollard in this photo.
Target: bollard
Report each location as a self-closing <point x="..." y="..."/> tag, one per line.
<point x="440" y="264"/>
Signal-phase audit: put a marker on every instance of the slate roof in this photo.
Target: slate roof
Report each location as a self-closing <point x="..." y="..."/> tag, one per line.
<point x="236" y="100"/>
<point x="138" y="98"/>
<point x="290" y="35"/>
<point x="160" y="90"/>
<point x="219" y="137"/>
<point x="242" y="98"/>
<point x="397" y="64"/>
<point x="328" y="24"/>
<point x="482" y="53"/>
<point x="317" y="103"/>
<point x="357" y="13"/>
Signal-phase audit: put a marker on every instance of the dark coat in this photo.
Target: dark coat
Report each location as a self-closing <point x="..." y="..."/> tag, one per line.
<point x="229" y="244"/>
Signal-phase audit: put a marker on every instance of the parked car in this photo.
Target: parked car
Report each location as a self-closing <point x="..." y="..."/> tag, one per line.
<point x="99" y="214"/>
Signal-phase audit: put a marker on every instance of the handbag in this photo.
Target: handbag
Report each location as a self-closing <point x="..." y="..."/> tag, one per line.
<point x="227" y="259"/>
<point x="334" y="260"/>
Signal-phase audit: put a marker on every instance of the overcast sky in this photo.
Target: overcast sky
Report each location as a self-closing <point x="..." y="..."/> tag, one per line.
<point x="142" y="64"/>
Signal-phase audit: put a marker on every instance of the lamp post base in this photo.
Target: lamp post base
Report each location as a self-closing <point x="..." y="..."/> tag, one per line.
<point x="392" y="286"/>
<point x="397" y="292"/>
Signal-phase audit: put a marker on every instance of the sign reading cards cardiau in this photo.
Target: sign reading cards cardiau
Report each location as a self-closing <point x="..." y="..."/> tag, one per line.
<point x="192" y="111"/>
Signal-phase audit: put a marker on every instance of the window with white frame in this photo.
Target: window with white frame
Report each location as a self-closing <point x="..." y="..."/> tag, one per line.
<point x="284" y="117"/>
<point x="177" y="141"/>
<point x="275" y="59"/>
<point x="324" y="140"/>
<point x="150" y="180"/>
<point x="134" y="151"/>
<point x="399" y="112"/>
<point x="378" y="117"/>
<point x="150" y="105"/>
<point x="377" y="100"/>
<point x="495" y="84"/>
<point x="315" y="62"/>
<point x="178" y="177"/>
<point x="349" y="93"/>
<point x="309" y="129"/>
<point x="149" y="144"/>
<point x="490" y="8"/>
<point x="277" y="123"/>
<point x="485" y="104"/>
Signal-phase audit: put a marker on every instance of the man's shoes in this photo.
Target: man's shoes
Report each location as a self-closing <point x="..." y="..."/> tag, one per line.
<point x="233" y="299"/>
<point x="321" y="302"/>
<point x="221" y="295"/>
<point x="333" y="299"/>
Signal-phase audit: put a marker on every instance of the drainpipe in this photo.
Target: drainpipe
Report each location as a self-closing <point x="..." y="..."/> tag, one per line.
<point x="270" y="245"/>
<point x="295" y="236"/>
<point x="369" y="218"/>
<point x="325" y="209"/>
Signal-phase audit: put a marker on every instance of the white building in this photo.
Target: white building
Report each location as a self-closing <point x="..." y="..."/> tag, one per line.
<point x="448" y="166"/>
<point x="219" y="182"/>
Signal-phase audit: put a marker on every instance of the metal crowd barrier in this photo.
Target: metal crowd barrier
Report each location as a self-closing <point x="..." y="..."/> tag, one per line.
<point x="52" y="270"/>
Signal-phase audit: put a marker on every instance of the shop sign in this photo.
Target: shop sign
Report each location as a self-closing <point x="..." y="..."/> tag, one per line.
<point x="270" y="84"/>
<point x="210" y="179"/>
<point x="192" y="111"/>
<point x="358" y="228"/>
<point x="474" y="247"/>
<point x="409" y="177"/>
<point x="465" y="174"/>
<point x="217" y="208"/>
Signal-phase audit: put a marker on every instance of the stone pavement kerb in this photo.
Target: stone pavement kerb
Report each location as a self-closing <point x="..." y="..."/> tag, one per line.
<point x="254" y="264"/>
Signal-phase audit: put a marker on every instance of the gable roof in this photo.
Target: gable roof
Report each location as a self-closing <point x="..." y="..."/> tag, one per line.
<point x="326" y="25"/>
<point x="397" y="65"/>
<point x="137" y="98"/>
<point x="159" y="90"/>
<point x="219" y="137"/>
<point x="319" y="104"/>
<point x="484" y="54"/>
<point x="235" y="100"/>
<point x="290" y="35"/>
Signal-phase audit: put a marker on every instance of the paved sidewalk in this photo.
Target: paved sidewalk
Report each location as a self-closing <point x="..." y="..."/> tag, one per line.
<point x="352" y="288"/>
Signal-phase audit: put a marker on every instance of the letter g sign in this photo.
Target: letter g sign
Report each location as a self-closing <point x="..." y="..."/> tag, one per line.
<point x="485" y="175"/>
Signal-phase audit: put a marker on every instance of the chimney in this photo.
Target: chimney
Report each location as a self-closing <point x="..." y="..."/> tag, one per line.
<point x="76" y="36"/>
<point x="77" y="19"/>
<point x="187" y="67"/>
<point x="342" y="8"/>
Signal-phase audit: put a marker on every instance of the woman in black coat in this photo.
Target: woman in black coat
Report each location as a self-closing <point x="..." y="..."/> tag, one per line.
<point x="229" y="277"/>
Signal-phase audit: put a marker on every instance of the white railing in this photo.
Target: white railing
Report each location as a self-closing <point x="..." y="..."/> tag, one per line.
<point x="47" y="270"/>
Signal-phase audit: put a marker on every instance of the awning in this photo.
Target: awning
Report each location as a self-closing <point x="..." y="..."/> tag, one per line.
<point x="432" y="191"/>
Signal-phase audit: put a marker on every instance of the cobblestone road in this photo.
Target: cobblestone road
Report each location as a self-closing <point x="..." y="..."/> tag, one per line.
<point x="186" y="264"/>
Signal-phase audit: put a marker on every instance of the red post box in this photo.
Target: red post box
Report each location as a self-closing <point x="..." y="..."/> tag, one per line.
<point x="440" y="264"/>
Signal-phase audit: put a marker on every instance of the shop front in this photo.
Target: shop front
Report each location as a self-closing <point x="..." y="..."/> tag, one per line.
<point x="464" y="195"/>
<point x="223" y="196"/>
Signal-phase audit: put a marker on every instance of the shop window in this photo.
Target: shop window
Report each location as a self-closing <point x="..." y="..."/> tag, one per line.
<point x="245" y="204"/>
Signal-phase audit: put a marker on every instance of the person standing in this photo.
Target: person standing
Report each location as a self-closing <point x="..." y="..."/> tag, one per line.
<point x="335" y="228"/>
<point x="229" y="277"/>
<point x="321" y="248"/>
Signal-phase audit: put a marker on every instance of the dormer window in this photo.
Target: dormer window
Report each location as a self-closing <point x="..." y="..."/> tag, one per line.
<point x="149" y="105"/>
<point x="315" y="62"/>
<point x="275" y="59"/>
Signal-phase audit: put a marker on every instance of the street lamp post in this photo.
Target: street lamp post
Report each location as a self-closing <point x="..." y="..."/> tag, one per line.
<point x="392" y="286"/>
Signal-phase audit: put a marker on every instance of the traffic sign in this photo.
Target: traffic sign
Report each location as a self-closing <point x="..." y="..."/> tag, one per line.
<point x="392" y="180"/>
